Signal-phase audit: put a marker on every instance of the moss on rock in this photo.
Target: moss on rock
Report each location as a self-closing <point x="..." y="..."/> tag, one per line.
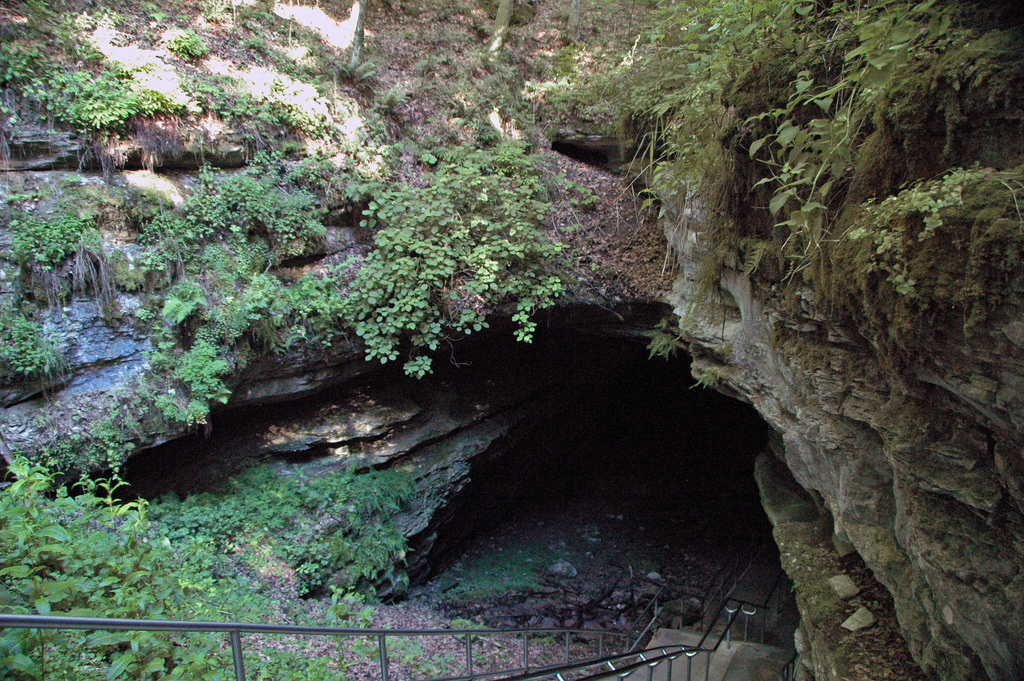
<point x="959" y="106"/>
<point x="961" y="272"/>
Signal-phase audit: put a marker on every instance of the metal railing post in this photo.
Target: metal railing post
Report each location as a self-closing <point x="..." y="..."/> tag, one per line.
<point x="747" y="611"/>
<point x="567" y="647"/>
<point x="689" y="663"/>
<point x="382" y="644"/>
<point x="469" y="655"/>
<point x="728" y="625"/>
<point x="236" y="654"/>
<point x="526" y="651"/>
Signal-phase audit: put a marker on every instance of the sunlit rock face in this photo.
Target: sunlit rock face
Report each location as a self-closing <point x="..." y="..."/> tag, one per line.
<point x="921" y="470"/>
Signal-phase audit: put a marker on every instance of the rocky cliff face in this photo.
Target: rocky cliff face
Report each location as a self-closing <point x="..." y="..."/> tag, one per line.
<point x="920" y="467"/>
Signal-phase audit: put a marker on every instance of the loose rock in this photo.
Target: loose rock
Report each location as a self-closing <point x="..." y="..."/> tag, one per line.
<point x="843" y="586"/>
<point x="860" y="620"/>
<point x="562" y="568"/>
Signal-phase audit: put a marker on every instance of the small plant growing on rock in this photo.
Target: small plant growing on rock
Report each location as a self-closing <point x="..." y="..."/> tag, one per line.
<point x="710" y="377"/>
<point x="187" y="44"/>
<point x="666" y="339"/>
<point x="912" y="216"/>
<point x="25" y="351"/>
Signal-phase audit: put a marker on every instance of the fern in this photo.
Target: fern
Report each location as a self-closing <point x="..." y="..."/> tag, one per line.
<point x="183" y="301"/>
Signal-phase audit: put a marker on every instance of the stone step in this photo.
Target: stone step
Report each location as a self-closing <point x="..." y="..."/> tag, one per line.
<point x="756" y="662"/>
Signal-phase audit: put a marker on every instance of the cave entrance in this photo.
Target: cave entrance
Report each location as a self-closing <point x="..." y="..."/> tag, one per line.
<point x="577" y="475"/>
<point x="629" y="478"/>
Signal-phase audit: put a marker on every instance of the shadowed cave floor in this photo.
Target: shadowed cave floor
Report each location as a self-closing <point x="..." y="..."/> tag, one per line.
<point x="596" y="559"/>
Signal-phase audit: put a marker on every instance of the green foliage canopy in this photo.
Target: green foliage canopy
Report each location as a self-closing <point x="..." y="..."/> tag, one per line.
<point x="445" y="253"/>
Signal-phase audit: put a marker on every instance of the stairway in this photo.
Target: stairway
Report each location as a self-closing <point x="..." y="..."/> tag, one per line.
<point x="736" y="656"/>
<point x="738" y="661"/>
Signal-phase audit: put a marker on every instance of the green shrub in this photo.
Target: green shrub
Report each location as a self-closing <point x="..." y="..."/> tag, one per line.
<point x="257" y="203"/>
<point x="88" y="101"/>
<point x="188" y="45"/>
<point x="287" y="103"/>
<point x="336" y="527"/>
<point x="17" y="63"/>
<point x="48" y="243"/>
<point x="200" y="372"/>
<point x="258" y="314"/>
<point x="320" y="302"/>
<point x="446" y="252"/>
<point x="62" y="255"/>
<point x="89" y="555"/>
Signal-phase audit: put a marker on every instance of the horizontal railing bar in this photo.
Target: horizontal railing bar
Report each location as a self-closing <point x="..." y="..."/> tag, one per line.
<point x="620" y="671"/>
<point x="478" y="675"/>
<point x="66" y="622"/>
<point x="667" y="652"/>
<point x="544" y="670"/>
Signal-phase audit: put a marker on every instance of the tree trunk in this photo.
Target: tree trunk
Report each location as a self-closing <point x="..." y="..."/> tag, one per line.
<point x="574" y="21"/>
<point x="359" y="10"/>
<point x="501" y="24"/>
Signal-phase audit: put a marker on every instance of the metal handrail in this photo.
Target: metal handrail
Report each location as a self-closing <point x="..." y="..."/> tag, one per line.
<point x="524" y="672"/>
<point x="761" y="605"/>
<point x="775" y="585"/>
<point x="236" y="629"/>
<point x="652" y="606"/>
<point x="729" y="606"/>
<point x="661" y="655"/>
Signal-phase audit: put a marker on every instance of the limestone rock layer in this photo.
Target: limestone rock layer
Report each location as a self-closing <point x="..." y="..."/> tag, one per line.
<point x="920" y="467"/>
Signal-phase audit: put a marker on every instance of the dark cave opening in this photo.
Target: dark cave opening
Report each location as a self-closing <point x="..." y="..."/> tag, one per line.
<point x="604" y="441"/>
<point x="629" y="473"/>
<point x="621" y="424"/>
<point x="591" y="155"/>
